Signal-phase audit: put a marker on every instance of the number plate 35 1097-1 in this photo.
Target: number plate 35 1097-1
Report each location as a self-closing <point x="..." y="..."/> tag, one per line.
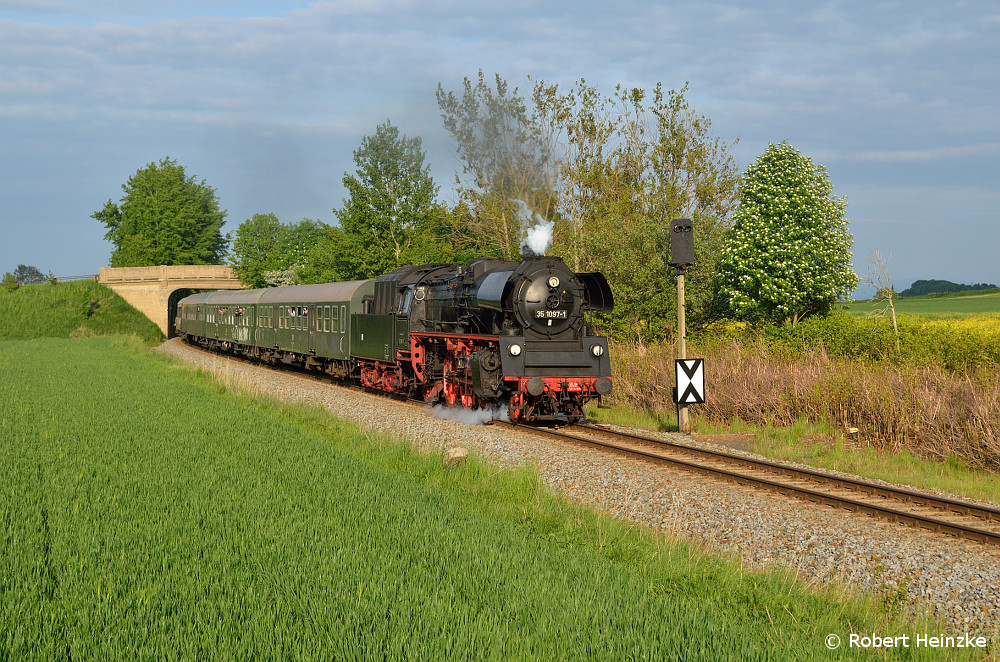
<point x="551" y="314"/>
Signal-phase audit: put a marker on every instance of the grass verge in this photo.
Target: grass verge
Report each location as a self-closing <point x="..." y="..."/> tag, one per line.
<point x="152" y="512"/>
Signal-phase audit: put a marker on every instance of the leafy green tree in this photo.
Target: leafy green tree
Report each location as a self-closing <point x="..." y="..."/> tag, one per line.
<point x="789" y="252"/>
<point x="628" y="164"/>
<point x="26" y="275"/>
<point x="255" y="248"/>
<point x="164" y="217"/>
<point x="609" y="172"/>
<point x="388" y="215"/>
<point x="264" y="245"/>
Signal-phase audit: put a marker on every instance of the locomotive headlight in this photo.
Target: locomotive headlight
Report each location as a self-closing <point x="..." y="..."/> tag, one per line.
<point x="597" y="350"/>
<point x="515" y="350"/>
<point x="553" y="282"/>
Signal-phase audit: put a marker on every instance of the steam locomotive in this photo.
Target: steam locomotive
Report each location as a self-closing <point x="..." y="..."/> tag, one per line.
<point x="484" y="335"/>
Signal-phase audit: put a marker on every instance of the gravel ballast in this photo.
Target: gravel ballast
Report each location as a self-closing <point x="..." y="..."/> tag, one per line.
<point x="957" y="580"/>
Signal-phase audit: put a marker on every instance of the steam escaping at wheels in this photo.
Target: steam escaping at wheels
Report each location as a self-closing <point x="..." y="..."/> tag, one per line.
<point x="470" y="416"/>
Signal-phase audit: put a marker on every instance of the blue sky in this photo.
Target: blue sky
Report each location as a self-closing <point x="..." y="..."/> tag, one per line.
<point x="266" y="102"/>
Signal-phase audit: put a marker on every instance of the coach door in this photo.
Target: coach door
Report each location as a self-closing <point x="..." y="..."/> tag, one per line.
<point x="311" y="324"/>
<point x="345" y="343"/>
<point x="325" y="336"/>
<point x="299" y="324"/>
<point x="265" y="326"/>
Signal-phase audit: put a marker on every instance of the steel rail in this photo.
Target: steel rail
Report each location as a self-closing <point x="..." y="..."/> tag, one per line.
<point x="855" y="505"/>
<point x="885" y="491"/>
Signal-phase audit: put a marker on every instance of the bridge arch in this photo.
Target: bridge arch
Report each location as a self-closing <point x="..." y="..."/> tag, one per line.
<point x="151" y="289"/>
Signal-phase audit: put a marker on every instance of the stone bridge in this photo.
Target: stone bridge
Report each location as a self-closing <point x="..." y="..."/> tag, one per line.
<point x="155" y="291"/>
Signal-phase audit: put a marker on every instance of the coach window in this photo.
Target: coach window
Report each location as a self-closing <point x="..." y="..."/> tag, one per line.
<point x="343" y="318"/>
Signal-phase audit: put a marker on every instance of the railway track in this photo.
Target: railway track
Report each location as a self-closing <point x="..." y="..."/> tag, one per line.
<point x="927" y="511"/>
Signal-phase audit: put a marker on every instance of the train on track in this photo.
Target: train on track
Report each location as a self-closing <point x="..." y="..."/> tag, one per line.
<point x="484" y="335"/>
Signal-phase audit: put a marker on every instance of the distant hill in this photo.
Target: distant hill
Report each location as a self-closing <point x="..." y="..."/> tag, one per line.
<point x="923" y="287"/>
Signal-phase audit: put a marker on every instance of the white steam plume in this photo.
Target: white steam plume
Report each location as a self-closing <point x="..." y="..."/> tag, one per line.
<point x="537" y="231"/>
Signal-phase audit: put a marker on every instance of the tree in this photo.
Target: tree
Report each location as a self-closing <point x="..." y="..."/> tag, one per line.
<point x="391" y="202"/>
<point x="789" y="252"/>
<point x="25" y="275"/>
<point x="878" y="277"/>
<point x="255" y="248"/>
<point x="164" y="217"/>
<point x="264" y="245"/>
<point x="628" y="164"/>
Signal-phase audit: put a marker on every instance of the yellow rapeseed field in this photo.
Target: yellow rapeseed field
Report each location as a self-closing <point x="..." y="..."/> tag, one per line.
<point x="986" y="324"/>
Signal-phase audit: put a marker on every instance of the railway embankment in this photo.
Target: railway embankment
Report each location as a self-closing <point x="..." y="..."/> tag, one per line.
<point x="74" y="309"/>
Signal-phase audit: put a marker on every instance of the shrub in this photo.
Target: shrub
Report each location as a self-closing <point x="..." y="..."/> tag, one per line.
<point x="9" y="283"/>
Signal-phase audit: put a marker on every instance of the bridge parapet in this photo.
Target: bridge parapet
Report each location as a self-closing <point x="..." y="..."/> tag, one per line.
<point x="148" y="289"/>
<point x="163" y="272"/>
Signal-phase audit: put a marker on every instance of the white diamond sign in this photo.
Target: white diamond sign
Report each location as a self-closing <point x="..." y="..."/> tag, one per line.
<point x="690" y="381"/>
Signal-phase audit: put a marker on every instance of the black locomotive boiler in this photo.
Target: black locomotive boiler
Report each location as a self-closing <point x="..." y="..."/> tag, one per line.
<point x="487" y="334"/>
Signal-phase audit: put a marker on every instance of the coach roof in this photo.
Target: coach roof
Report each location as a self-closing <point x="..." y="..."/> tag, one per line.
<point x="319" y="293"/>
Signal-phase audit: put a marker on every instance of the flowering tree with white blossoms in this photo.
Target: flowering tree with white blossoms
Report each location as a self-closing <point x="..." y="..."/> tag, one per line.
<point x="789" y="251"/>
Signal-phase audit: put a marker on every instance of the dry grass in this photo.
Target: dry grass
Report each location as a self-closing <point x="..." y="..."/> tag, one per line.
<point x="927" y="410"/>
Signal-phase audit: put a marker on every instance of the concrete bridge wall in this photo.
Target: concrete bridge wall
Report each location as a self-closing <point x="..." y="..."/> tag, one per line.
<point x="149" y="288"/>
